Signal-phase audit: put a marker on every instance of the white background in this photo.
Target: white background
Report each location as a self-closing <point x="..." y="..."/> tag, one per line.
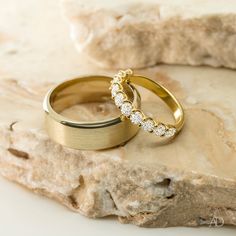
<point x="23" y="213"/>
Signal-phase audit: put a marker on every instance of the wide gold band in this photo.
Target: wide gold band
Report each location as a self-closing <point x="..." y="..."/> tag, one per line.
<point x="86" y="135"/>
<point x="137" y="117"/>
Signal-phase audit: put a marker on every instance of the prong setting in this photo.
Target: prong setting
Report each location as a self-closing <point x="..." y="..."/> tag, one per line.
<point x="119" y="98"/>
<point x="148" y="124"/>
<point x="115" y="87"/>
<point x="137" y="117"/>
<point x="126" y="108"/>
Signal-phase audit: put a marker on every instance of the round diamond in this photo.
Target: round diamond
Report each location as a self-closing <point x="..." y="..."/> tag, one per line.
<point x="170" y="132"/>
<point x="148" y="125"/>
<point x="136" y="117"/>
<point x="160" y="130"/>
<point x="119" y="98"/>
<point x="126" y="108"/>
<point x="114" y="89"/>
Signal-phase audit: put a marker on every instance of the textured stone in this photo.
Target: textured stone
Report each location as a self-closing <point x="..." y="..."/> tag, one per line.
<point x="134" y="34"/>
<point x="145" y="182"/>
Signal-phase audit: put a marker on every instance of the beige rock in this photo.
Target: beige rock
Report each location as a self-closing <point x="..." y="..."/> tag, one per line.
<point x="200" y="163"/>
<point x="137" y="34"/>
<point x="190" y="181"/>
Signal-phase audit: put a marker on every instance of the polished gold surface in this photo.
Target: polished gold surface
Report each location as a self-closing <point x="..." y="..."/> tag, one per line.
<point x="92" y="135"/>
<point x="148" y="123"/>
<point x="165" y="95"/>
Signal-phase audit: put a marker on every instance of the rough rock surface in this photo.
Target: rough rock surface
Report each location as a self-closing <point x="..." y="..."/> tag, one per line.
<point x="190" y="181"/>
<point x="135" y="34"/>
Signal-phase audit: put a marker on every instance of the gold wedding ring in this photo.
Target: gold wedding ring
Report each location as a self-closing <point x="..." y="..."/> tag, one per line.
<point x="138" y="117"/>
<point x="102" y="134"/>
<point x="87" y="135"/>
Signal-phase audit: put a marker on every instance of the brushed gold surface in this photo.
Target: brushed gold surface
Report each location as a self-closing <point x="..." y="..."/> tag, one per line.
<point x="93" y="135"/>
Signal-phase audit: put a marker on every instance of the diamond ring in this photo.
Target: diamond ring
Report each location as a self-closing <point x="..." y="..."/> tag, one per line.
<point x="138" y="117"/>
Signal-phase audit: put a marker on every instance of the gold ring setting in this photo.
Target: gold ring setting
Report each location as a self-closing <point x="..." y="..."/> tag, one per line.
<point x="136" y="116"/>
<point x="102" y="134"/>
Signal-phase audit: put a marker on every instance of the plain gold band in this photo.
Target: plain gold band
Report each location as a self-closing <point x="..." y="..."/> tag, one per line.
<point x="166" y="96"/>
<point x="86" y="135"/>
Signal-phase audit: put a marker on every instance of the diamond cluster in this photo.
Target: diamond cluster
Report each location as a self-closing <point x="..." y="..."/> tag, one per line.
<point x="136" y="117"/>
